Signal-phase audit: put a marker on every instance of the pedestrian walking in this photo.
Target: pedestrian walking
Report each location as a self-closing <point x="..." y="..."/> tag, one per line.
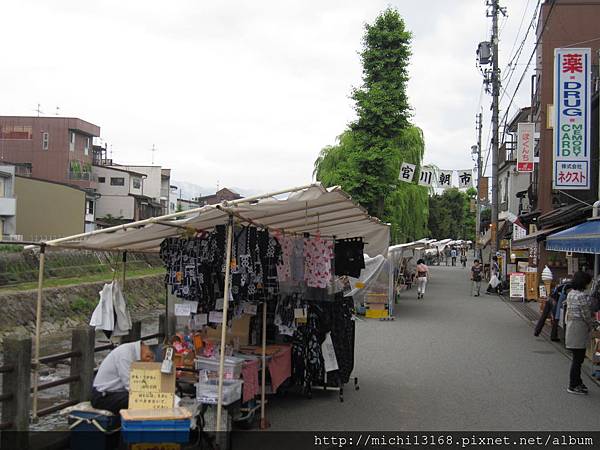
<point x="579" y="323"/>
<point x="453" y="256"/>
<point x="494" y="277"/>
<point x="422" y="275"/>
<point x="476" y="270"/>
<point x="463" y="257"/>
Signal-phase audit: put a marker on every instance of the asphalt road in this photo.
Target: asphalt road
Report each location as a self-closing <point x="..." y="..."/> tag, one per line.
<point x="449" y="362"/>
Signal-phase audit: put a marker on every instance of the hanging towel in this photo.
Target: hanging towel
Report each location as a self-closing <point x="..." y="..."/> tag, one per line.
<point x="111" y="314"/>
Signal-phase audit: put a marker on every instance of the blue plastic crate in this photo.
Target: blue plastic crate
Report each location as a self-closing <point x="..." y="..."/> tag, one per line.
<point x="93" y="431"/>
<point x="134" y="431"/>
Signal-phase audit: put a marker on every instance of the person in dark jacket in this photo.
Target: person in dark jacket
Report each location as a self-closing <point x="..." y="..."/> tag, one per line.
<point x="551" y="309"/>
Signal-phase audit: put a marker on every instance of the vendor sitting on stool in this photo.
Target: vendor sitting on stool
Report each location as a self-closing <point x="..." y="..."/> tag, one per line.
<point x="111" y="385"/>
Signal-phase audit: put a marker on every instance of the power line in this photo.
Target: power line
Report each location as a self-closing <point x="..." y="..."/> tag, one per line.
<point x="529" y="62"/>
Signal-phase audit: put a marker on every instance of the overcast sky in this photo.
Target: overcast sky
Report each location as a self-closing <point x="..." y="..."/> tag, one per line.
<point x="243" y="93"/>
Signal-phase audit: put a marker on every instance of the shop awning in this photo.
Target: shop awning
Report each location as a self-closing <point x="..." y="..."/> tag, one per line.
<point x="533" y="238"/>
<point x="308" y="209"/>
<point x="582" y="238"/>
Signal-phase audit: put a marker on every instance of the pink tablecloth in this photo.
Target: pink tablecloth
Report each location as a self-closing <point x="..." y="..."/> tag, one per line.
<point x="280" y="366"/>
<point x="250" y="377"/>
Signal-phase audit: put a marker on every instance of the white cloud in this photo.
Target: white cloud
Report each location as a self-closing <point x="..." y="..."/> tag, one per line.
<point x="239" y="92"/>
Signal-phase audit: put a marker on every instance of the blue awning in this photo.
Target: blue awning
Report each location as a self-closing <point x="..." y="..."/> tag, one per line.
<point x="582" y="238"/>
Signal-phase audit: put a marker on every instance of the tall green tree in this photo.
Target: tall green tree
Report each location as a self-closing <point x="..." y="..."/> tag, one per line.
<point x="451" y="216"/>
<point x="366" y="158"/>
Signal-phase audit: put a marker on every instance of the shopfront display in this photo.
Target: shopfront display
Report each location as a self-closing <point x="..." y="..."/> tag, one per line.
<point x="254" y="301"/>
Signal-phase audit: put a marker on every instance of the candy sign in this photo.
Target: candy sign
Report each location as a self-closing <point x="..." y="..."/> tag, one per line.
<point x="572" y="98"/>
<point x="525" y="140"/>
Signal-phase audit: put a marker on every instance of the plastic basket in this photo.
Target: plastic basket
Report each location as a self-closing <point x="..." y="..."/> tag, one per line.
<point x="232" y="368"/>
<point x="155" y="431"/>
<point x="208" y="391"/>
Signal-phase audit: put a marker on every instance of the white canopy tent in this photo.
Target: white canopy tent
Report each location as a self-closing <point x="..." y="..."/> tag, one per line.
<point x="312" y="209"/>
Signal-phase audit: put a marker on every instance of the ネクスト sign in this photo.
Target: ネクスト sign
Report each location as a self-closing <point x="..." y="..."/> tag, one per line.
<point x="572" y="98"/>
<point x="525" y="146"/>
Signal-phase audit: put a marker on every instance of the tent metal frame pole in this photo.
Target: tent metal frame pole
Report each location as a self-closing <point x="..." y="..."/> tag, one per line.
<point x="124" y="271"/>
<point x="158" y="219"/>
<point x="263" y="421"/>
<point x="224" y="321"/>
<point x="38" y="327"/>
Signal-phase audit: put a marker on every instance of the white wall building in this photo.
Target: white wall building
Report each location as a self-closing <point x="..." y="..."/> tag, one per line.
<point x="8" y="202"/>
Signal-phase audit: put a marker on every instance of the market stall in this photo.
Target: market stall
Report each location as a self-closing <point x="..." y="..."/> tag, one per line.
<point x="239" y="258"/>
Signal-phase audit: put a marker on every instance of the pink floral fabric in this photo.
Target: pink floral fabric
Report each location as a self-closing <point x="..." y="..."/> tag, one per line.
<point x="318" y="254"/>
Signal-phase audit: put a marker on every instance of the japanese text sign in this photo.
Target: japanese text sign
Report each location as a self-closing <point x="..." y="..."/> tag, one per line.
<point x="572" y="98"/>
<point x="149" y="388"/>
<point x="465" y="178"/>
<point x="517" y="285"/>
<point x="407" y="172"/>
<point x="426" y="177"/>
<point x="445" y="179"/>
<point x="525" y="146"/>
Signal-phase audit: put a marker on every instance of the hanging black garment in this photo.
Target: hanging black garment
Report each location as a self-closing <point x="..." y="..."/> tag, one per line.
<point x="349" y="257"/>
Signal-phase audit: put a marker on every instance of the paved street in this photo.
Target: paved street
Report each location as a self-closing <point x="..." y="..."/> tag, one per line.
<point x="449" y="362"/>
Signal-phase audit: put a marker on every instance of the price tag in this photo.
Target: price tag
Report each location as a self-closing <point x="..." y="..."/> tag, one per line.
<point x="215" y="317"/>
<point x="193" y="306"/>
<point x="200" y="320"/>
<point x="182" y="309"/>
<point x="250" y="308"/>
<point x="219" y="304"/>
<point x="299" y="313"/>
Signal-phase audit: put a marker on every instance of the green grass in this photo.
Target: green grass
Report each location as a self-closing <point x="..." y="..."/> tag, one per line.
<point x="59" y="282"/>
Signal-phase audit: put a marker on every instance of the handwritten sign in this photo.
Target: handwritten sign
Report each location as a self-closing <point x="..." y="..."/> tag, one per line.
<point x="149" y="388"/>
<point x="219" y="304"/>
<point x="150" y="400"/>
<point x="200" y="320"/>
<point x="144" y="380"/>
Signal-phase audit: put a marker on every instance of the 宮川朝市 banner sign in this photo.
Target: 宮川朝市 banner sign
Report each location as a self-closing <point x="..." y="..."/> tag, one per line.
<point x="572" y="97"/>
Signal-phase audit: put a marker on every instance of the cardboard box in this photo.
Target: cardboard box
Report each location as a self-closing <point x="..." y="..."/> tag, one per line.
<point x="149" y="388"/>
<point x="240" y="328"/>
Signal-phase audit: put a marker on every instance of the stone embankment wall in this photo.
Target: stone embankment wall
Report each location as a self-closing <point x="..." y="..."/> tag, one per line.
<point x="64" y="307"/>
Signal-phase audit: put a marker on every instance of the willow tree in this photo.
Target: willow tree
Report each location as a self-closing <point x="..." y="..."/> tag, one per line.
<point x="366" y="158"/>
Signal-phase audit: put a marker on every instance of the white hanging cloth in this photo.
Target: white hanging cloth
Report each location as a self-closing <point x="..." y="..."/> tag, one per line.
<point x="111" y="313"/>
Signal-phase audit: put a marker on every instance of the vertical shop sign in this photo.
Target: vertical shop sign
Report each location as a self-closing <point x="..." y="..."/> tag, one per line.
<point x="572" y="98"/>
<point x="525" y="146"/>
<point x="517" y="285"/>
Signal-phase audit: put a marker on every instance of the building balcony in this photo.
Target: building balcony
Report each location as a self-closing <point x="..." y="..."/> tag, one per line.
<point x="8" y="206"/>
<point x="82" y="176"/>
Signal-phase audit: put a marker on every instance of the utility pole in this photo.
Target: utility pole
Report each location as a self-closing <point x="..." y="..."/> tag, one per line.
<point x="495" y="79"/>
<point x="477" y="151"/>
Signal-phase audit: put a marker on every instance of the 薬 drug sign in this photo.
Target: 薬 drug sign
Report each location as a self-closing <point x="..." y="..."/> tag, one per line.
<point x="572" y="98"/>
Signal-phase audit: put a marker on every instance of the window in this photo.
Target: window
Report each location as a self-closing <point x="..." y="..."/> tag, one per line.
<point x="137" y="183"/>
<point x="2" y="194"/>
<point x="89" y="207"/>
<point x="16" y="132"/>
<point x="72" y="141"/>
<point x="86" y="149"/>
<point x="117" y="181"/>
<point x="101" y="179"/>
<point x="45" y="140"/>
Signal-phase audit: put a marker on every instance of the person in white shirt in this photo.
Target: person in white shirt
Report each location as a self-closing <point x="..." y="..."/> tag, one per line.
<point x="111" y="385"/>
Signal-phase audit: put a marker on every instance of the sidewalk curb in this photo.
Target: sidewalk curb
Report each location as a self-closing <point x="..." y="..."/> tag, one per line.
<point x="557" y="345"/>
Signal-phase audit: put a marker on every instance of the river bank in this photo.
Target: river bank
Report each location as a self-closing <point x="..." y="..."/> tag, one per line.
<point x="68" y="306"/>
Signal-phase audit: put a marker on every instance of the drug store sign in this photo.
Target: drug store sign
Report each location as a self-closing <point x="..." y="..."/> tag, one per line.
<point x="572" y="98"/>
